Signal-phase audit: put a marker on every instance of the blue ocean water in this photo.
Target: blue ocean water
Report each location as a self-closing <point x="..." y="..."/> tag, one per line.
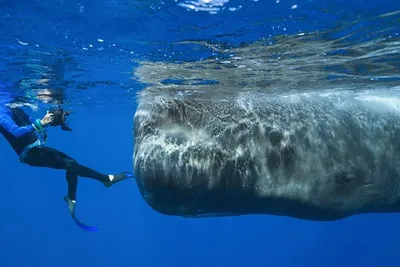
<point x="86" y="55"/>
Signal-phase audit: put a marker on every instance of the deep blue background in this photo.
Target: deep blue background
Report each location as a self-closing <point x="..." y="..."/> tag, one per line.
<point x="35" y="227"/>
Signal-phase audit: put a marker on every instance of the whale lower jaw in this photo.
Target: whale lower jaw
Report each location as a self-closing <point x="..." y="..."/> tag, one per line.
<point x="223" y="206"/>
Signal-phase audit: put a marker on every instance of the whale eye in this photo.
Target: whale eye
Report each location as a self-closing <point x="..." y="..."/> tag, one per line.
<point x="347" y="175"/>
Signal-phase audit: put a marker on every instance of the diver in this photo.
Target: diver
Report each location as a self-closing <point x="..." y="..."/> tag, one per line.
<point x="27" y="137"/>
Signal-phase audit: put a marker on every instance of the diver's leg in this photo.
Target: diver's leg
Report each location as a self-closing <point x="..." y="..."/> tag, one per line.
<point x="52" y="158"/>
<point x="70" y="199"/>
<point x="72" y="180"/>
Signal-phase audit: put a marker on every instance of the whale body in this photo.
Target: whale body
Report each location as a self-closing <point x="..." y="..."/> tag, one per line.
<point x="314" y="155"/>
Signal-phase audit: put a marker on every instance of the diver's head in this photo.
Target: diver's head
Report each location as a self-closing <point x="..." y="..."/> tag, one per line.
<point x="60" y="118"/>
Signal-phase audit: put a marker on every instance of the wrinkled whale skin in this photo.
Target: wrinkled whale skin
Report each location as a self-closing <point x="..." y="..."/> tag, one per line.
<point x="314" y="156"/>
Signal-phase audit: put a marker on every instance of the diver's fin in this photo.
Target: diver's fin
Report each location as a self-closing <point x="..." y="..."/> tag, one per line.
<point x="119" y="177"/>
<point x="71" y="207"/>
<point x="84" y="226"/>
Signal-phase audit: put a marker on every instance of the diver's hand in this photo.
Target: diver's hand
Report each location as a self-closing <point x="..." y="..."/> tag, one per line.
<point x="47" y="119"/>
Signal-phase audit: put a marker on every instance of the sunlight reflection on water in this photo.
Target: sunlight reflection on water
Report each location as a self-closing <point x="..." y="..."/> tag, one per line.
<point x="211" y="6"/>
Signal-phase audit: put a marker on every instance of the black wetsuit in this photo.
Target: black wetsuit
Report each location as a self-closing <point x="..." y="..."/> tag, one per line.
<point x="16" y="126"/>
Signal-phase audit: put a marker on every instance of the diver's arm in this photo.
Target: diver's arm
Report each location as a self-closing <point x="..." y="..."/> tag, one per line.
<point x="18" y="131"/>
<point x="10" y="126"/>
